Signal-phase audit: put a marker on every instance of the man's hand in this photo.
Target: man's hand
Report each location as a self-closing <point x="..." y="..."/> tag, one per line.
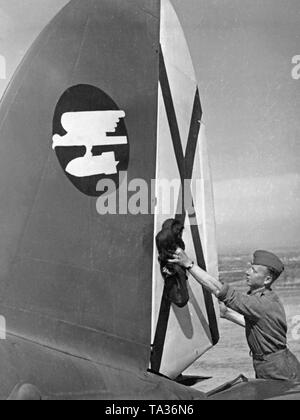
<point x="181" y="258"/>
<point x="201" y="276"/>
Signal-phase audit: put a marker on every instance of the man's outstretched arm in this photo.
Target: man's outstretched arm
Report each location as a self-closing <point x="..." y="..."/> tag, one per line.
<point x="210" y="283"/>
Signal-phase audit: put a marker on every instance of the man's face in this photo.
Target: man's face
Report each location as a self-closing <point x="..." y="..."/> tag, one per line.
<point x="257" y="276"/>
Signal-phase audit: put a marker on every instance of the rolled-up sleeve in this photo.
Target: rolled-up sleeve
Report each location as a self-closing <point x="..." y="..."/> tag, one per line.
<point x="223" y="292"/>
<point x="249" y="306"/>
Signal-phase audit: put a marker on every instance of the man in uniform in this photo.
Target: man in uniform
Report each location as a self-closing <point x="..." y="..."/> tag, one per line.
<point x="260" y="312"/>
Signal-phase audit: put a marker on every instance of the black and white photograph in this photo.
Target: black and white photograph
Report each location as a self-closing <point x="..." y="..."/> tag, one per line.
<point x="150" y="202"/>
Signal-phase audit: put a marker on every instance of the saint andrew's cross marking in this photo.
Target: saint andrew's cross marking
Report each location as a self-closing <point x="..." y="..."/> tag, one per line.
<point x="185" y="162"/>
<point x="185" y="166"/>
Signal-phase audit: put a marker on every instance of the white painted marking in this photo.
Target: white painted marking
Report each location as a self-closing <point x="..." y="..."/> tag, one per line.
<point x="89" y="165"/>
<point x="90" y="129"/>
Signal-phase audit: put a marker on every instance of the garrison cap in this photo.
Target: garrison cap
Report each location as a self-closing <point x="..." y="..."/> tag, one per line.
<point x="269" y="260"/>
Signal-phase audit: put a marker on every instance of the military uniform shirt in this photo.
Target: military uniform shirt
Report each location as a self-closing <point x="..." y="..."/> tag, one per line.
<point x="266" y="324"/>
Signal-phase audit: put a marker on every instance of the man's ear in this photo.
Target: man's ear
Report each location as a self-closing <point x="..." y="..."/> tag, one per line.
<point x="268" y="281"/>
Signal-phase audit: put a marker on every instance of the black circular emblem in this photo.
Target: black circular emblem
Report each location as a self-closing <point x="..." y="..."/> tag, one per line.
<point x="90" y="138"/>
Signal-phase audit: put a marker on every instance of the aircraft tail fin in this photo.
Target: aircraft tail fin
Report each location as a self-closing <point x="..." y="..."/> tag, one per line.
<point x="70" y="278"/>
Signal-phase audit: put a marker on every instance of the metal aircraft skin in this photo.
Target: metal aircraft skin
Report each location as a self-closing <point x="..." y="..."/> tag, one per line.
<point x="76" y="287"/>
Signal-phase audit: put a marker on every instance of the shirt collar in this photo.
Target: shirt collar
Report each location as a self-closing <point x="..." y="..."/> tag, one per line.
<point x="262" y="291"/>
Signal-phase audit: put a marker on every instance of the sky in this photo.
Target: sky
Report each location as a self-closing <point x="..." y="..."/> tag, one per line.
<point x="242" y="52"/>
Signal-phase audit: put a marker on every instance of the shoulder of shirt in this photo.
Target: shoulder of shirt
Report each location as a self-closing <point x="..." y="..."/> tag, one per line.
<point x="270" y="295"/>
